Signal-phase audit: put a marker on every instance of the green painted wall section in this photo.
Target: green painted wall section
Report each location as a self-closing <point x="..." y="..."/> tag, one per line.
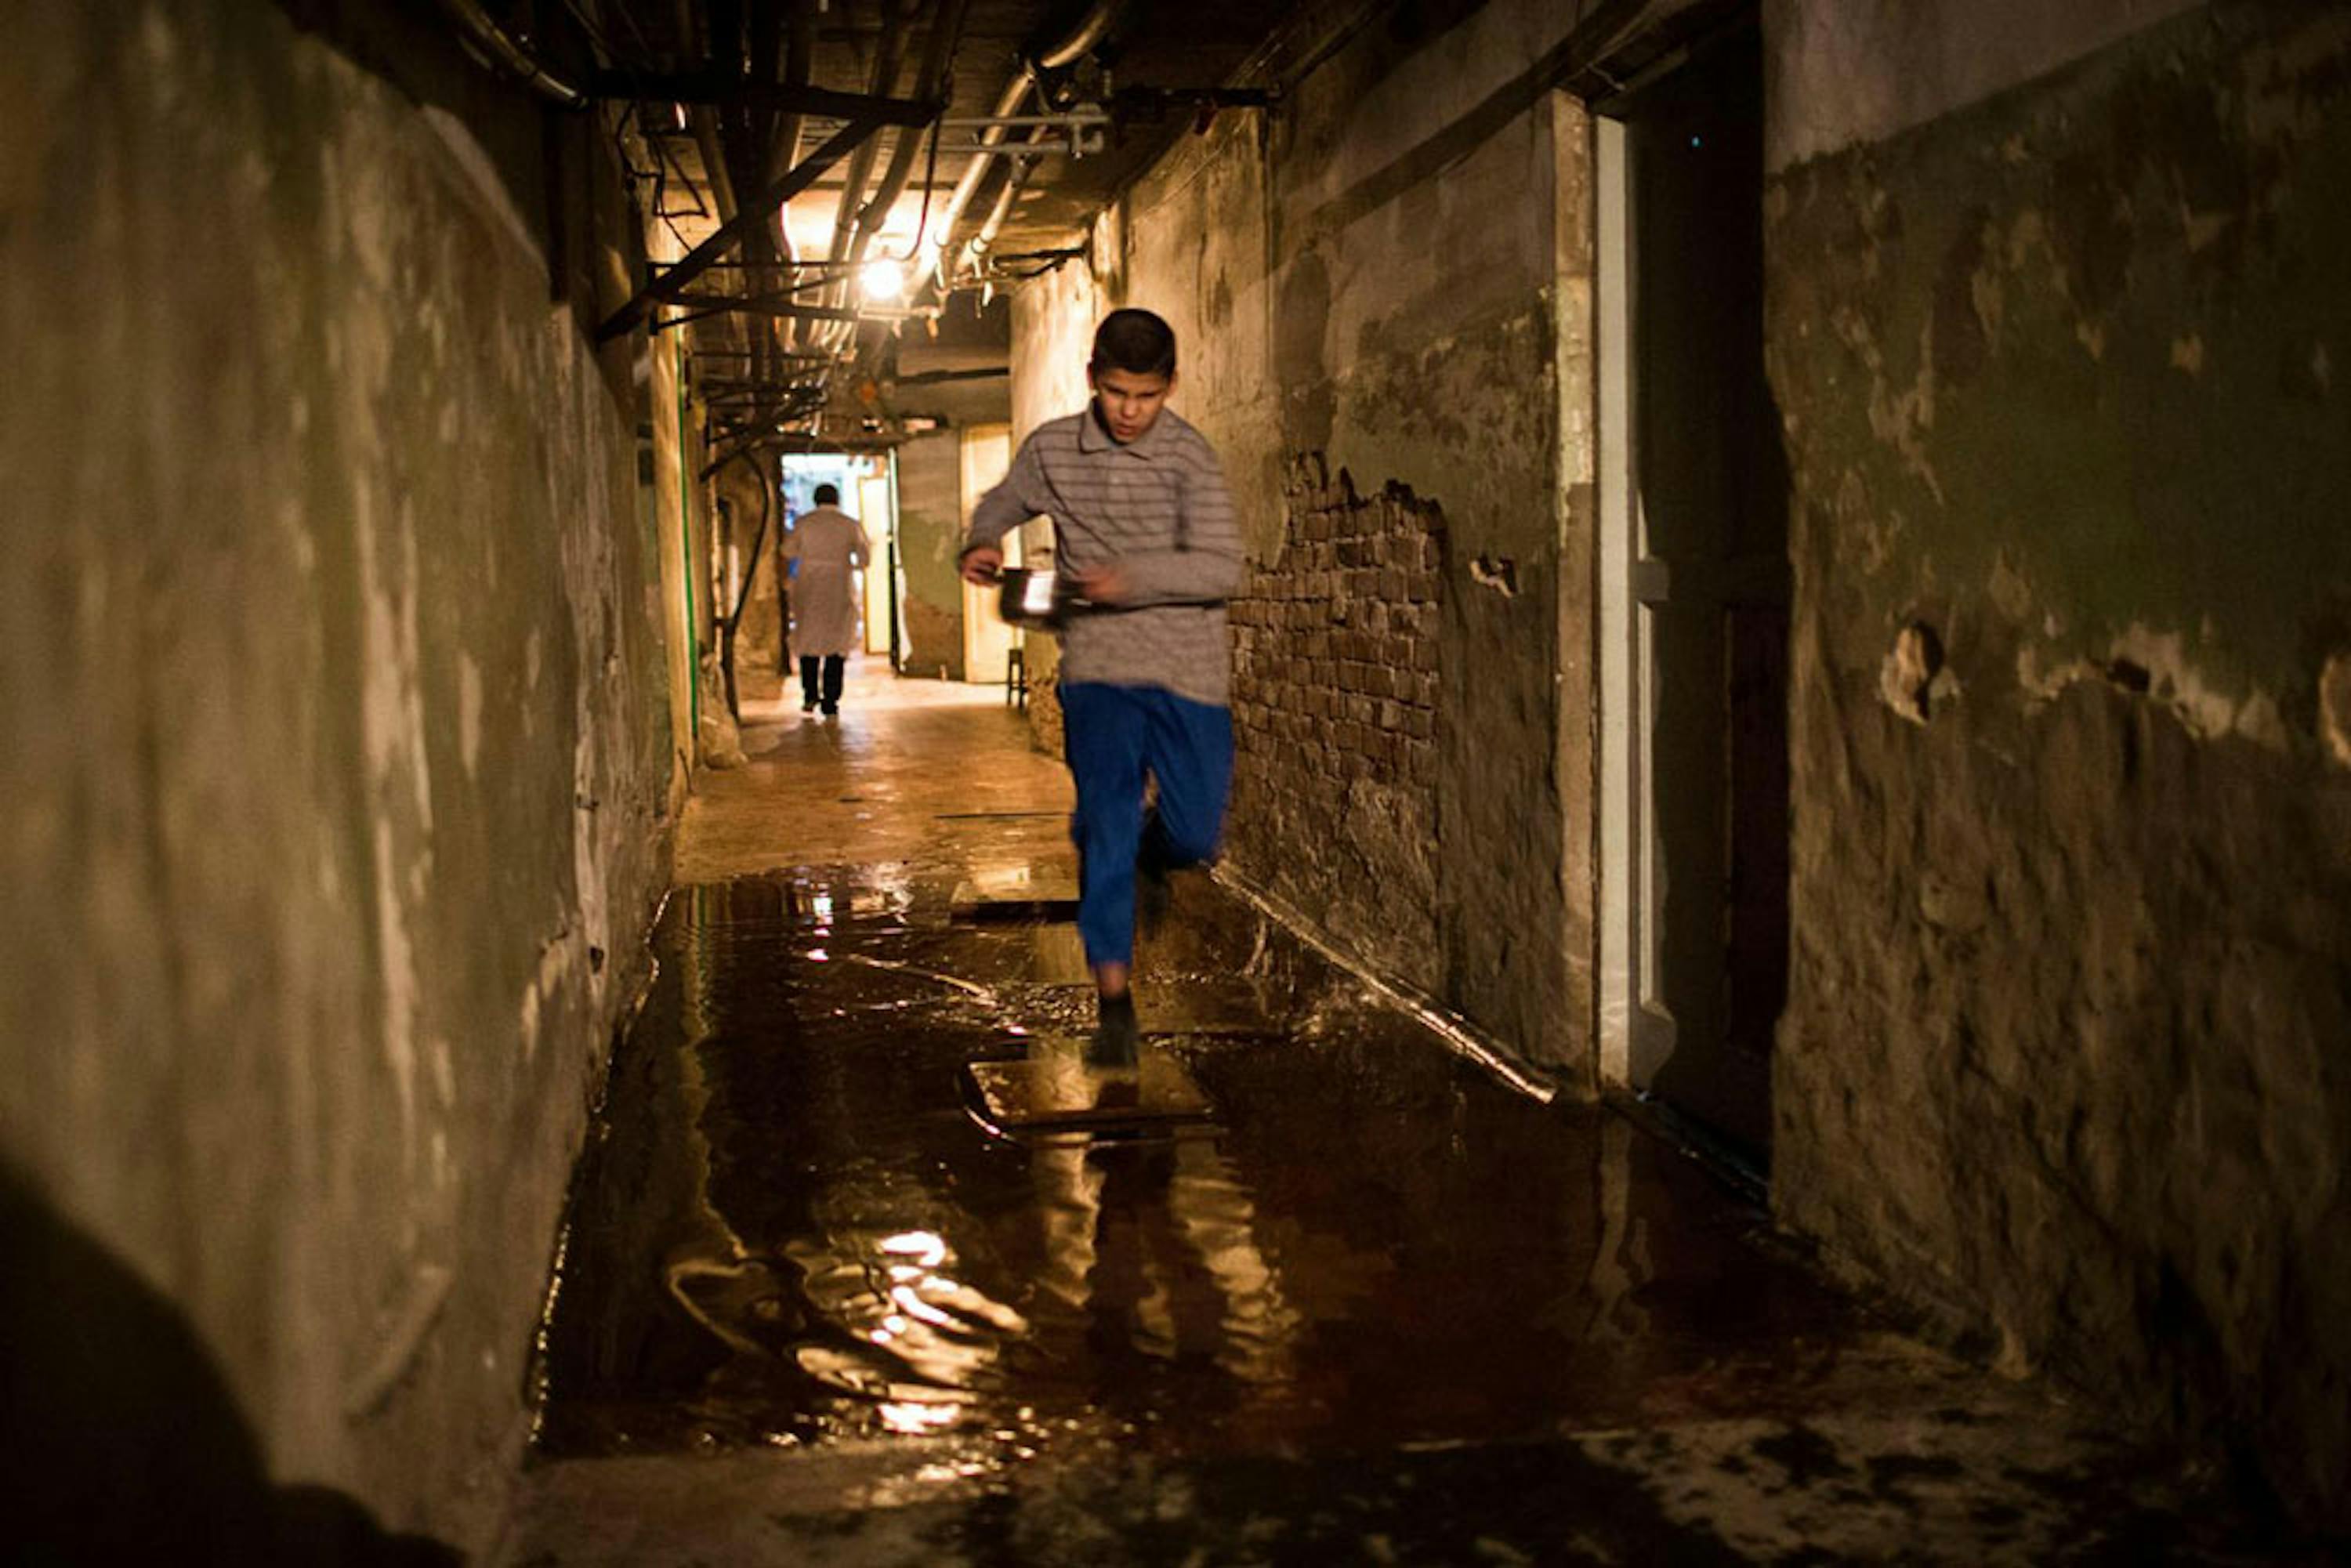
<point x="930" y="537"/>
<point x="2069" y="366"/>
<point x="2067" y="1054"/>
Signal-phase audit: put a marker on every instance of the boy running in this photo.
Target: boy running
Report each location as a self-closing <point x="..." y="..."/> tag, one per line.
<point x="1145" y="535"/>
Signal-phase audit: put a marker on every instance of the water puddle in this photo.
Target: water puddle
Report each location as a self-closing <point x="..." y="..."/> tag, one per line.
<point x="792" y="1230"/>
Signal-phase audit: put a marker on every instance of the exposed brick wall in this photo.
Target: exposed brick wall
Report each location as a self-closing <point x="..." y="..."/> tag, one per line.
<point x="1335" y="643"/>
<point x="1044" y="660"/>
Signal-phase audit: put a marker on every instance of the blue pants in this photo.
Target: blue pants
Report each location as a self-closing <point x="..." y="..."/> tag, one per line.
<point x="1114" y="734"/>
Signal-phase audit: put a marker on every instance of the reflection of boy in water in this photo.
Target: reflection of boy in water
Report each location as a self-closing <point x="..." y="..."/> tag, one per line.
<point x="1152" y="1263"/>
<point x="1144" y="530"/>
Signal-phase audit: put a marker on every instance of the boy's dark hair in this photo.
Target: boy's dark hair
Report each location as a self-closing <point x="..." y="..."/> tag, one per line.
<point x="1136" y="341"/>
<point x="830" y="494"/>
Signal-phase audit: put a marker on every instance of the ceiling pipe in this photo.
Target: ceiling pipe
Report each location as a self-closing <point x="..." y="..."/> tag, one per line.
<point x="709" y="147"/>
<point x="938" y="54"/>
<point x="1008" y="104"/>
<point x="1017" y="176"/>
<point x="799" y="50"/>
<point x="1083" y="39"/>
<point x="791" y="130"/>
<point x="506" y="52"/>
<point x="930" y="87"/>
<point x="887" y="55"/>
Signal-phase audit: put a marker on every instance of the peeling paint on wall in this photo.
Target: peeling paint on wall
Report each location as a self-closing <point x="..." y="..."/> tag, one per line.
<point x="2046" y="367"/>
<point x="348" y="756"/>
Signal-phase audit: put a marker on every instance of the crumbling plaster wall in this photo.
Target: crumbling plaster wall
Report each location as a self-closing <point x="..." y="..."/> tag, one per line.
<point x="1371" y="279"/>
<point x="2068" y="1047"/>
<point x="760" y="641"/>
<point x="337" y="751"/>
<point x="930" y="536"/>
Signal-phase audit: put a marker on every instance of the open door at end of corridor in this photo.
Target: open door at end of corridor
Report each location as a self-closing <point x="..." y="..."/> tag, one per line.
<point x="1696" y="620"/>
<point x="987" y="640"/>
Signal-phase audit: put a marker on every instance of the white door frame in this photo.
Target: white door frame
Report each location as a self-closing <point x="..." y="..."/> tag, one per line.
<point x="1637" y="1033"/>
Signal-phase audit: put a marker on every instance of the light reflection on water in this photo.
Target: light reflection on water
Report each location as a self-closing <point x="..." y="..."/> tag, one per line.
<point x="1153" y="1246"/>
<point x="1373" y="1243"/>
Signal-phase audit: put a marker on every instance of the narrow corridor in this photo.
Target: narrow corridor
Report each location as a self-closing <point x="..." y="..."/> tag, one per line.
<point x="1377" y="1307"/>
<point x="1758" y="588"/>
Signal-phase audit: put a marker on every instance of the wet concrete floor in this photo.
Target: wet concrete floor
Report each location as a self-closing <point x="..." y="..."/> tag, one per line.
<point x="1379" y="1307"/>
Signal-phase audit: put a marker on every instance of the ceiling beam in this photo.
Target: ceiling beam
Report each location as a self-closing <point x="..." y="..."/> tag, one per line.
<point x="672" y="280"/>
<point x="735" y="92"/>
<point x="700" y="307"/>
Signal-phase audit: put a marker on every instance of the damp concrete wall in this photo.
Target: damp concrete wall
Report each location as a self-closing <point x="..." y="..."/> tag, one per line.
<point x="337" y="754"/>
<point x="2060" y="353"/>
<point x="930" y="537"/>
<point x="1380" y="280"/>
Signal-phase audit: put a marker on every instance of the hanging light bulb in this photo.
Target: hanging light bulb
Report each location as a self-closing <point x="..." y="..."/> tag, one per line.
<point x="882" y="280"/>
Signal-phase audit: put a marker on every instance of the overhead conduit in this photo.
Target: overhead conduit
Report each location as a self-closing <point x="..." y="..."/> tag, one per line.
<point x="1081" y="40"/>
<point x="506" y="52"/>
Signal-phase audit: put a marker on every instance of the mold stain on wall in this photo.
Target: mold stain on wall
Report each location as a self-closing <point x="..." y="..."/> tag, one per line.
<point x="2063" y="1052"/>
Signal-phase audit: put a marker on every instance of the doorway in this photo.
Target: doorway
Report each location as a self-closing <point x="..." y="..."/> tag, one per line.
<point x="1695" y="595"/>
<point x="987" y="640"/>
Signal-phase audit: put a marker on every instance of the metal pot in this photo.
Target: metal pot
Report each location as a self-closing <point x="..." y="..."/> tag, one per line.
<point x="1026" y="598"/>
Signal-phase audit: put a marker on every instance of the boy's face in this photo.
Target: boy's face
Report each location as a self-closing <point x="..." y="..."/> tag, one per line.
<point x="1130" y="403"/>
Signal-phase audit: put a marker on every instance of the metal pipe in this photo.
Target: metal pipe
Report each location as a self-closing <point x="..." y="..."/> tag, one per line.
<point x="722" y="197"/>
<point x="1081" y="40"/>
<point x="938" y="51"/>
<point x="1075" y="119"/>
<point x="1015" y="92"/>
<point x="506" y="52"/>
<point x="1001" y="210"/>
<point x="887" y="53"/>
<point x="1072" y="47"/>
<point x="799" y="50"/>
<point x="946" y="30"/>
<point x="1075" y="145"/>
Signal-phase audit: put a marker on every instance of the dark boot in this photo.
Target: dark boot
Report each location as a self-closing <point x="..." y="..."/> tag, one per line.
<point x="1118" y="1039"/>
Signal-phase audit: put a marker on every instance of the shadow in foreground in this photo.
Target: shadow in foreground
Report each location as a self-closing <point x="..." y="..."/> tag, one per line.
<point x="123" y="1443"/>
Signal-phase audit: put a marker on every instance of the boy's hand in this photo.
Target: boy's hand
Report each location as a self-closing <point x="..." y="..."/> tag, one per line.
<point x="982" y="564"/>
<point x="1103" y="584"/>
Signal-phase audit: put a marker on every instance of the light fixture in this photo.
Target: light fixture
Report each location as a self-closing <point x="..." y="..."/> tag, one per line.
<point x="883" y="280"/>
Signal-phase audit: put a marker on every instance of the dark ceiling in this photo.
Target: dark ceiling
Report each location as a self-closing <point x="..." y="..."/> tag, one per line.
<point x="747" y="89"/>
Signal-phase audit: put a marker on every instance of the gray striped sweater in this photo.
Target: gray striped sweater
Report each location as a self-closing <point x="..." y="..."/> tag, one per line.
<point x="1158" y="508"/>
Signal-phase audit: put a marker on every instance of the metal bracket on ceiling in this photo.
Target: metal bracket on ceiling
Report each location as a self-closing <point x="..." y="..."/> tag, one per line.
<point x="1077" y="132"/>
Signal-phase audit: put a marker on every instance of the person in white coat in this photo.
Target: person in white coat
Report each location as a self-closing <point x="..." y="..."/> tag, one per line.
<point x="830" y="547"/>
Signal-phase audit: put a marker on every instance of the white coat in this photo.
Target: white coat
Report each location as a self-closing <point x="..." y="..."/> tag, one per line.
<point x="830" y="547"/>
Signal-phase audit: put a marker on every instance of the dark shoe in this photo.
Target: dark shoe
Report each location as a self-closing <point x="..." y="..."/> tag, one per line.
<point x="809" y="707"/>
<point x="1117" y="1039"/>
<point x="832" y="710"/>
